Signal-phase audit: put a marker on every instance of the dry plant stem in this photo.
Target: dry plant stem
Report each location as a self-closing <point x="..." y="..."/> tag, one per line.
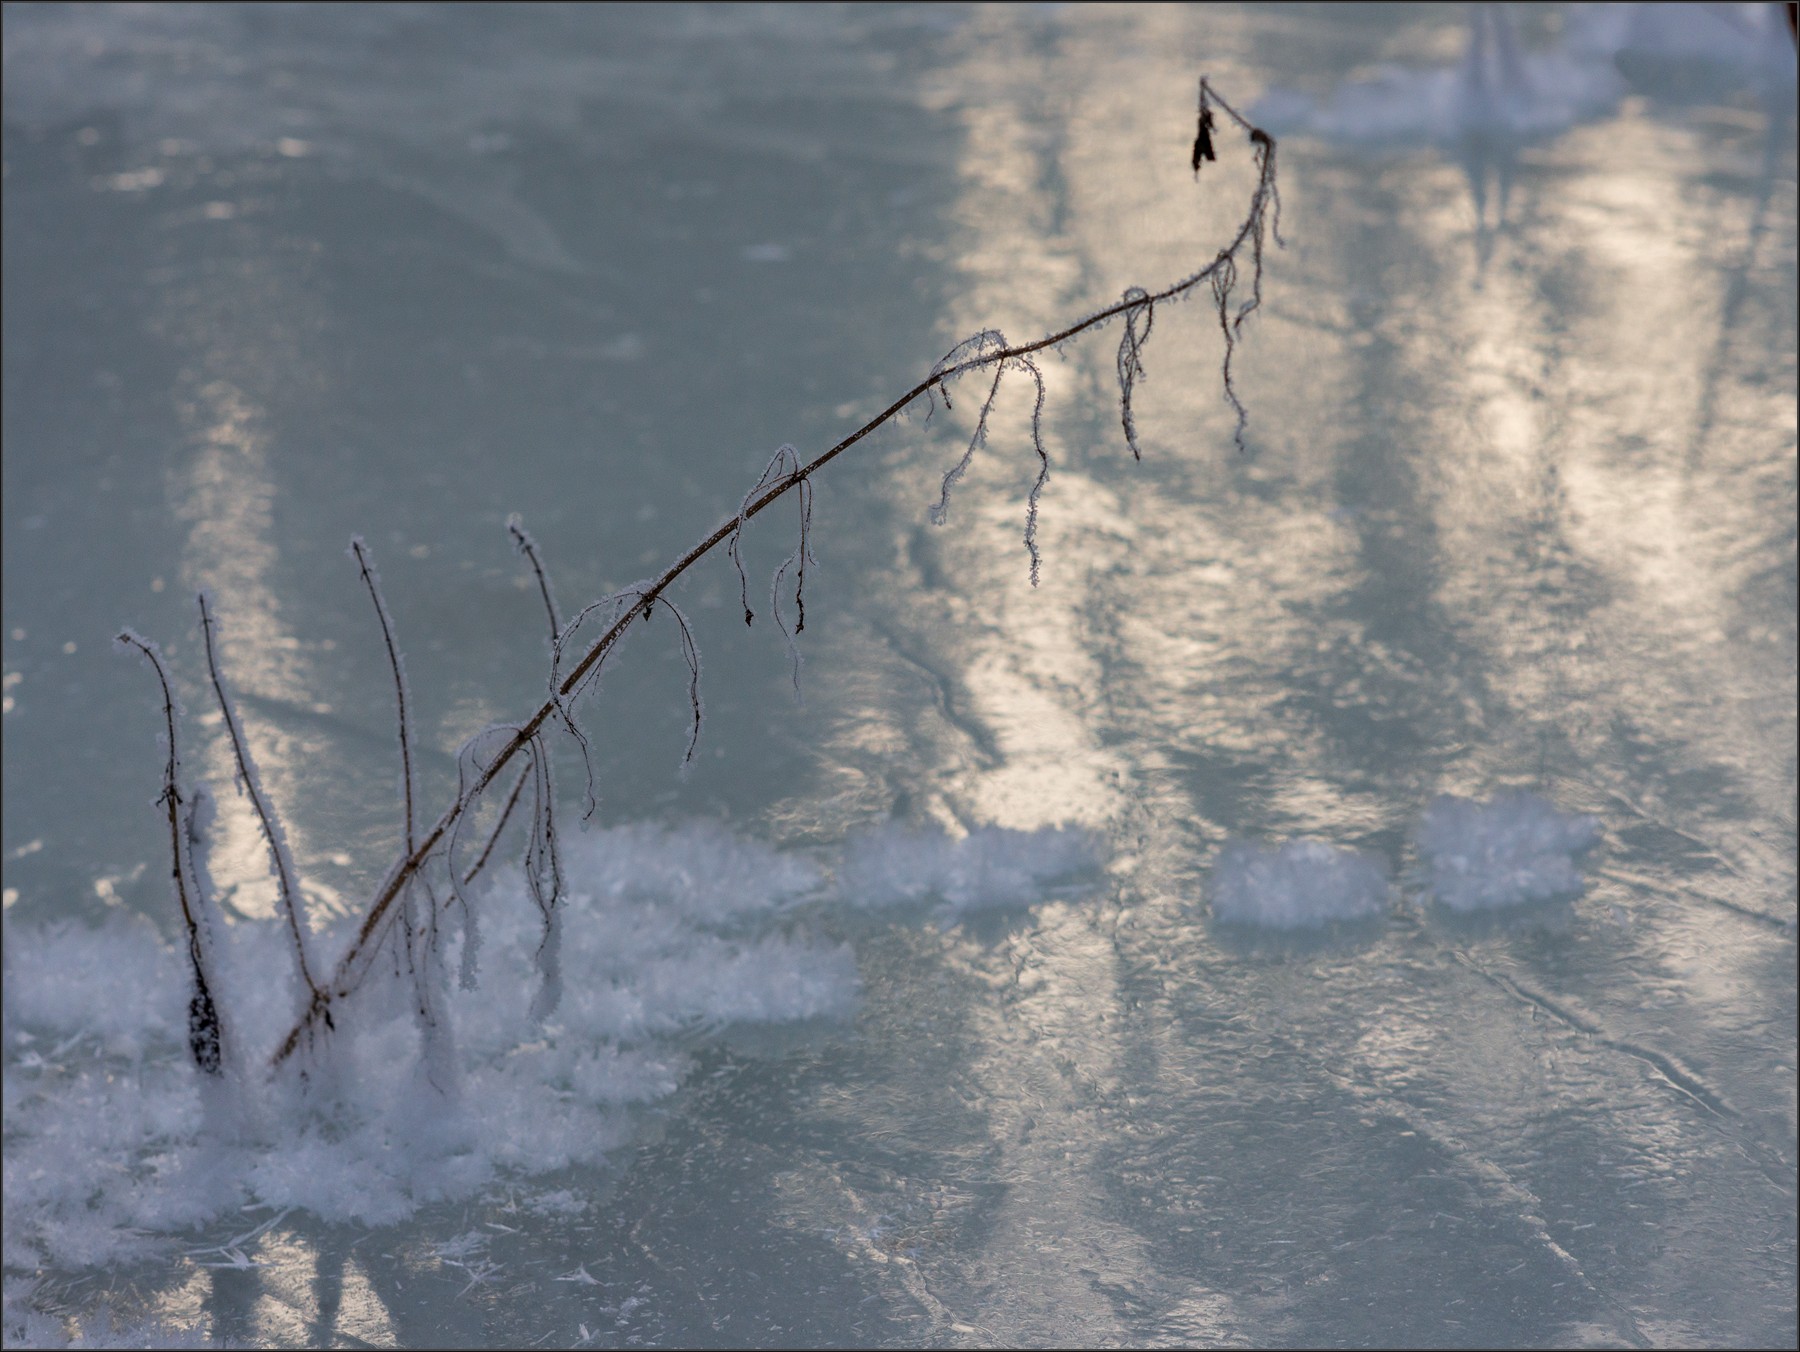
<point x="512" y="801"/>
<point x="941" y="511"/>
<point x="1037" y="488"/>
<point x="528" y="547"/>
<point x="271" y="831"/>
<point x="360" y="552"/>
<point x="419" y="943"/>
<point x="203" y="1018"/>
<point x="358" y="955"/>
<point x="1130" y="363"/>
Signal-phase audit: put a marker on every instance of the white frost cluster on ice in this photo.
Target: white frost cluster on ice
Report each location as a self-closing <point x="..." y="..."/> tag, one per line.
<point x="1473" y="856"/>
<point x="109" y="1141"/>
<point x="113" y="1137"/>
<point x="1515" y="849"/>
<point x="1304" y="884"/>
<point x="990" y="868"/>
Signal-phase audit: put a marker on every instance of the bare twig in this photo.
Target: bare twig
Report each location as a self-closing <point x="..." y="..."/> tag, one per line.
<point x="360" y="552"/>
<point x="1037" y="488"/>
<point x="205" y="1031"/>
<point x="528" y="547"/>
<point x="1131" y="361"/>
<point x="988" y="338"/>
<point x="499" y="826"/>
<point x="281" y="862"/>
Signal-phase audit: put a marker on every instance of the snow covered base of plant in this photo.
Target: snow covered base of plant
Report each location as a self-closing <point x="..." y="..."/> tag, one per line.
<point x="1517" y="848"/>
<point x="115" y="1141"/>
<point x="1303" y="884"/>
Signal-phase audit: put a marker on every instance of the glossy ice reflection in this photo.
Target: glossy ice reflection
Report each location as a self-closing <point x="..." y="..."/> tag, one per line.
<point x="908" y="1015"/>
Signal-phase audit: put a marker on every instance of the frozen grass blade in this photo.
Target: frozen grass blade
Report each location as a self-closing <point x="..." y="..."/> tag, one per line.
<point x="940" y="513"/>
<point x="986" y="350"/>
<point x="527" y="546"/>
<point x="512" y="801"/>
<point x="1037" y="488"/>
<point x="1264" y="218"/>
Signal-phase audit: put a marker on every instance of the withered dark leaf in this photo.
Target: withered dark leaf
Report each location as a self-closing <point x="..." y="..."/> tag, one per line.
<point x="1203" y="143"/>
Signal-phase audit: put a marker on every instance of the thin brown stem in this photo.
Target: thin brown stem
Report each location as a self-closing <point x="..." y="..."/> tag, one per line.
<point x="205" y="1040"/>
<point x="528" y="547"/>
<point x="512" y="801"/>
<point x="360" y="552"/>
<point x="279" y="862"/>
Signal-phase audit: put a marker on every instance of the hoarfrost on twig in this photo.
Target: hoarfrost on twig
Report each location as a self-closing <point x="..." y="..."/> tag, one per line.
<point x="281" y="862"/>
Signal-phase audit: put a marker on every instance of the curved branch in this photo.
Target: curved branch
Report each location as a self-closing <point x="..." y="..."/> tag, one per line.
<point x="355" y="962"/>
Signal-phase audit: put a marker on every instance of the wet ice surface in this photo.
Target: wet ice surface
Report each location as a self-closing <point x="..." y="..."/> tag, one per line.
<point x="902" y="1017"/>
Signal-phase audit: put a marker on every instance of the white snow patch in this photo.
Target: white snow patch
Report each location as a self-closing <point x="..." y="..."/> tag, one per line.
<point x="1517" y="848"/>
<point x="114" y="1140"/>
<point x="110" y="1143"/>
<point x="990" y="868"/>
<point x="1304" y="884"/>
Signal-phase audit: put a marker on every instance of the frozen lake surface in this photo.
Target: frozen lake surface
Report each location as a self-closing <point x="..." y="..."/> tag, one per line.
<point x="1350" y="901"/>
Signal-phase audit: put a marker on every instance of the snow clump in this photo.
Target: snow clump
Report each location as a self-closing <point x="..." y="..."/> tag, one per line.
<point x="1515" y="849"/>
<point x="988" y="868"/>
<point x="1304" y="884"/>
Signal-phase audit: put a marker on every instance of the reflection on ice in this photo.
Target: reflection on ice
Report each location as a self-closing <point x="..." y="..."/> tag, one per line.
<point x="1502" y="90"/>
<point x="1498" y="89"/>
<point x="1502" y="96"/>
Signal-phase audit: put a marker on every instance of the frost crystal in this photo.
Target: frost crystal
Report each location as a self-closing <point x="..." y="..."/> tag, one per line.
<point x="1302" y="885"/>
<point x="1512" y="850"/>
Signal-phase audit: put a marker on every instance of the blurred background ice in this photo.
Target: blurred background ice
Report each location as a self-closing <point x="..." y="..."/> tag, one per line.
<point x="899" y="1019"/>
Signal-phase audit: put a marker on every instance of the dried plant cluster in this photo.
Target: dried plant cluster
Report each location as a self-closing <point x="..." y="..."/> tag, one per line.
<point x="427" y="884"/>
